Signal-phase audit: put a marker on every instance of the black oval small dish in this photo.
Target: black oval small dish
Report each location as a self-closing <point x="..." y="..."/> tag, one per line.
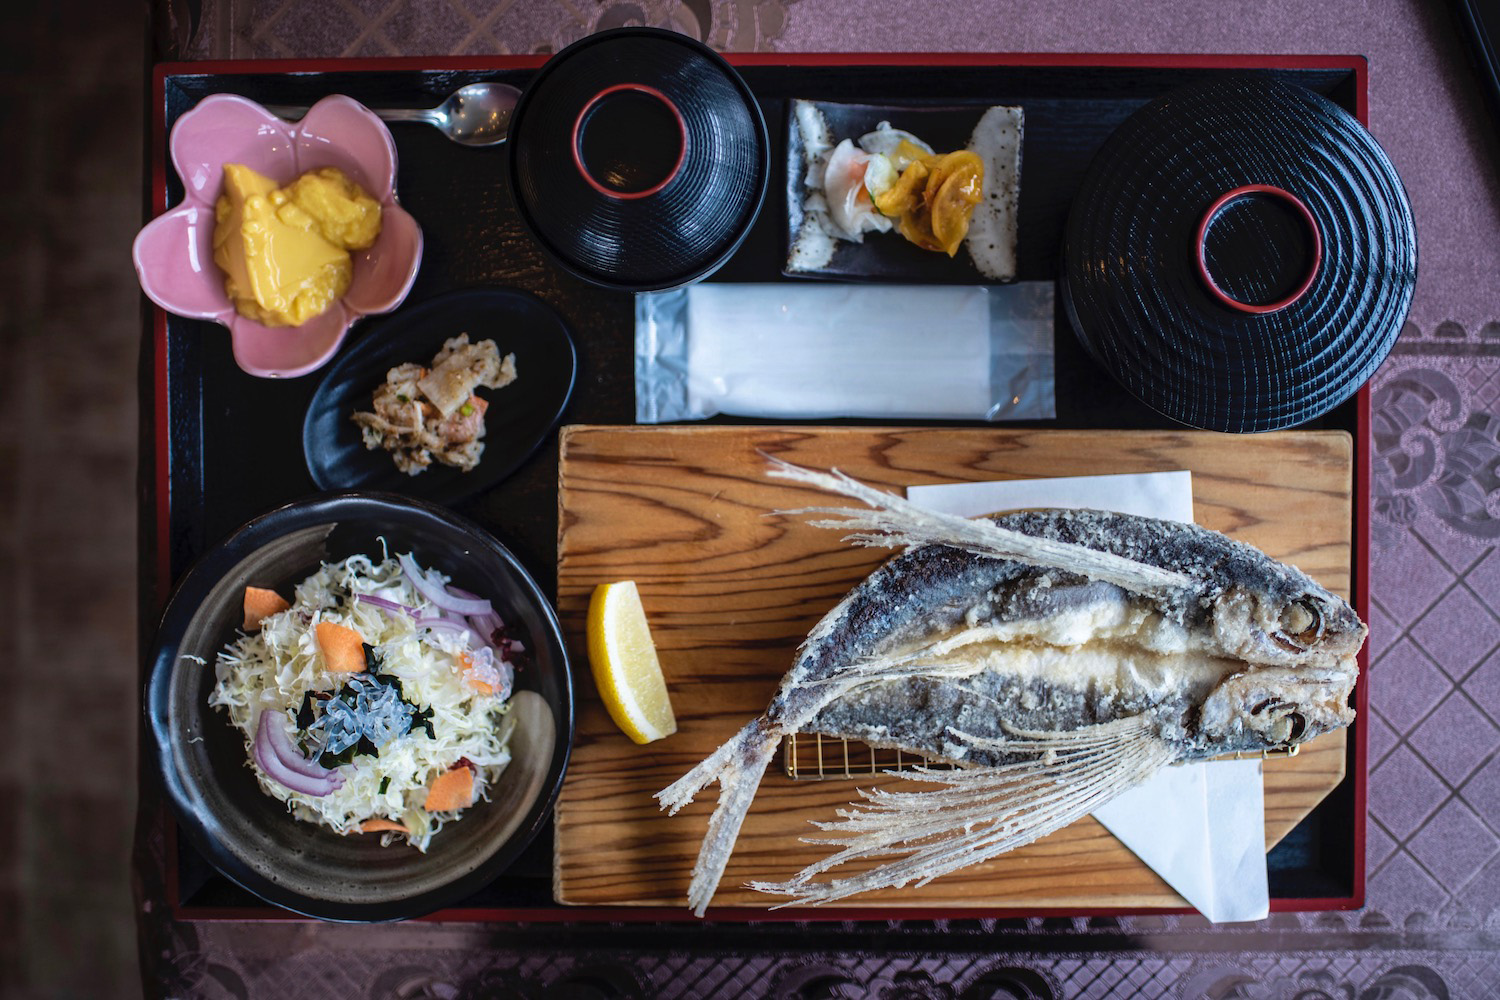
<point x="639" y="159"/>
<point x="249" y="835"/>
<point x="519" y="418"/>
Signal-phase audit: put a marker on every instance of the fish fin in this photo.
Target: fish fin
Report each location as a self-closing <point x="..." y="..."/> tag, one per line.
<point x="738" y="766"/>
<point x="894" y="522"/>
<point x="980" y="812"/>
<point x="934" y="660"/>
<point x="880" y="669"/>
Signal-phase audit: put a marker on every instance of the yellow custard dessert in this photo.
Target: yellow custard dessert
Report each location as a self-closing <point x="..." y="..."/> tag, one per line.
<point x="284" y="251"/>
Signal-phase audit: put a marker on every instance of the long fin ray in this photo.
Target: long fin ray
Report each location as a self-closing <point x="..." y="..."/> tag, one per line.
<point x="929" y="822"/>
<point x="962" y="781"/>
<point x="943" y="857"/>
<point x="965" y="785"/>
<point x="981" y="813"/>
<point x="894" y="522"/>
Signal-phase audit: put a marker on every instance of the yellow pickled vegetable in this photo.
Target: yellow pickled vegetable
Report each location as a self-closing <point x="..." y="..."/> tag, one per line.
<point x="953" y="204"/>
<point x="934" y="198"/>
<point x="905" y="194"/>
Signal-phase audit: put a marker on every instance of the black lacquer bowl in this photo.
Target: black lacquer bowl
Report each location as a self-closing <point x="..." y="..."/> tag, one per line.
<point x="638" y="159"/>
<point x="519" y="418"/>
<point x="1241" y="255"/>
<point x="250" y="836"/>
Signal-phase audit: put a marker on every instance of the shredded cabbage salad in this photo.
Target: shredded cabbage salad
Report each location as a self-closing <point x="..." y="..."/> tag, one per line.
<point x="432" y="698"/>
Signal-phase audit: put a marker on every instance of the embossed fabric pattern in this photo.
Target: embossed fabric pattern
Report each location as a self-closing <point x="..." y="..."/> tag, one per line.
<point x="1431" y="927"/>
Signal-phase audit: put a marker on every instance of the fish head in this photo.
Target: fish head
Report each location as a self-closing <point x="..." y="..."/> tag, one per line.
<point x="1297" y="626"/>
<point x="1275" y="708"/>
<point x="1297" y="643"/>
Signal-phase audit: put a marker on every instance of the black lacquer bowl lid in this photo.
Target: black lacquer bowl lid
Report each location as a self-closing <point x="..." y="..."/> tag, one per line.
<point x="1240" y="256"/>
<point x="639" y="159"/>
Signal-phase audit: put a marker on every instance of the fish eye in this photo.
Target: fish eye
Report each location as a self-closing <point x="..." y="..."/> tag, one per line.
<point x="1299" y="726"/>
<point x="1301" y="624"/>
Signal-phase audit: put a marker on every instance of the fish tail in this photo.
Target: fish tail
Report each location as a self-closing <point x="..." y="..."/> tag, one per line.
<point x="682" y="791"/>
<point x="738" y="766"/>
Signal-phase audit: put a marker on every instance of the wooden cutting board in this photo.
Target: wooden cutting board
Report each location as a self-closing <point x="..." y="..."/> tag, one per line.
<point x="731" y="590"/>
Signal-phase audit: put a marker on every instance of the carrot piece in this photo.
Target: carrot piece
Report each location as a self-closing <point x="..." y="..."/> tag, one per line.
<point x="453" y="789"/>
<point x="378" y="825"/>
<point x="261" y="604"/>
<point x="475" y="684"/>
<point x="342" y="648"/>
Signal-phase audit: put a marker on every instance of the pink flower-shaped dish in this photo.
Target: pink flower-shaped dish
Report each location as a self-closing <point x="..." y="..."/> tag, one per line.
<point x="174" y="252"/>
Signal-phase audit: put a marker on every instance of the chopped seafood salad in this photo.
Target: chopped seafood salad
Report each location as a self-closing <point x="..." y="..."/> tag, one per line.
<point x="374" y="701"/>
<point x="421" y="415"/>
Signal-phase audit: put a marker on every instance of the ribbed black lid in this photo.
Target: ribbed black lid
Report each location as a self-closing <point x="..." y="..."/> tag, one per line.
<point x="1132" y="283"/>
<point x="697" y="219"/>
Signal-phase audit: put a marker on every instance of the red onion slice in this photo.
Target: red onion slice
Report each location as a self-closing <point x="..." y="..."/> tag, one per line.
<point x="277" y="771"/>
<point x="487" y="626"/>
<point x="280" y="742"/>
<point x="438" y="595"/>
<point x="381" y="602"/>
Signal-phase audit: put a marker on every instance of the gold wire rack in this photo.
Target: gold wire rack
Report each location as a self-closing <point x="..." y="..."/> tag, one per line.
<point x="815" y="757"/>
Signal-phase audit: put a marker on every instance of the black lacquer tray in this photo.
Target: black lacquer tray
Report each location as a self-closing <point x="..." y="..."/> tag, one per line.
<point x="202" y="477"/>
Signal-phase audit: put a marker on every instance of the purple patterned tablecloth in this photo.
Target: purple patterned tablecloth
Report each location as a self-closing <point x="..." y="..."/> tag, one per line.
<point x="1431" y="926"/>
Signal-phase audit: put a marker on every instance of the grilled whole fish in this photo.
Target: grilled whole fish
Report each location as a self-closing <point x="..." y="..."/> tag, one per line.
<point x="1057" y="657"/>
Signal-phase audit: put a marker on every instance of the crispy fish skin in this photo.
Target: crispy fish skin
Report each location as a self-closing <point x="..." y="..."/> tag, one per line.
<point x="1189" y="641"/>
<point x="1053" y="689"/>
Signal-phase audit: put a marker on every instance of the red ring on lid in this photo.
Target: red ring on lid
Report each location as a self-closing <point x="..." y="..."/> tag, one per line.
<point x="1307" y="217"/>
<point x="578" y="136"/>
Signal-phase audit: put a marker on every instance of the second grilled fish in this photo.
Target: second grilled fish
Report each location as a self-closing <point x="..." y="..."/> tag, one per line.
<point x="1057" y="657"/>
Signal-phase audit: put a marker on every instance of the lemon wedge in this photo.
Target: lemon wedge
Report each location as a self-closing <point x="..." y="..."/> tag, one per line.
<point x="625" y="666"/>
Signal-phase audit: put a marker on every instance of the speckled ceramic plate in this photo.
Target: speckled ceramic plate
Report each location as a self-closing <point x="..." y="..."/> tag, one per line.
<point x="996" y="133"/>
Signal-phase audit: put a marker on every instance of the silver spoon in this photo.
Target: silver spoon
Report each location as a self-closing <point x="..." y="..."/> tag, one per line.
<point x="474" y="115"/>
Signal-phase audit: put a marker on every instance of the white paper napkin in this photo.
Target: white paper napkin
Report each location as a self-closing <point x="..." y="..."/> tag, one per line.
<point x="811" y="350"/>
<point x="1201" y="827"/>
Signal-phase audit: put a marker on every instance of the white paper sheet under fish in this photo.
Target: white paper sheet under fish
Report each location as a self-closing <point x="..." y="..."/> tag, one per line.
<point x="798" y="351"/>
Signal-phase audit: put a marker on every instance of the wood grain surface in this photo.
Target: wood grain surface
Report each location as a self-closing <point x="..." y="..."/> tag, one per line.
<point x="731" y="590"/>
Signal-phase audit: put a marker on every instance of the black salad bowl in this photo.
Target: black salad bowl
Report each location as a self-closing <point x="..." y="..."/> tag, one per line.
<point x="250" y="836"/>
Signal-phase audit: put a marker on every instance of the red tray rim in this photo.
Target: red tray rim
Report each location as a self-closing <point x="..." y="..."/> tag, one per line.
<point x="558" y="913"/>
